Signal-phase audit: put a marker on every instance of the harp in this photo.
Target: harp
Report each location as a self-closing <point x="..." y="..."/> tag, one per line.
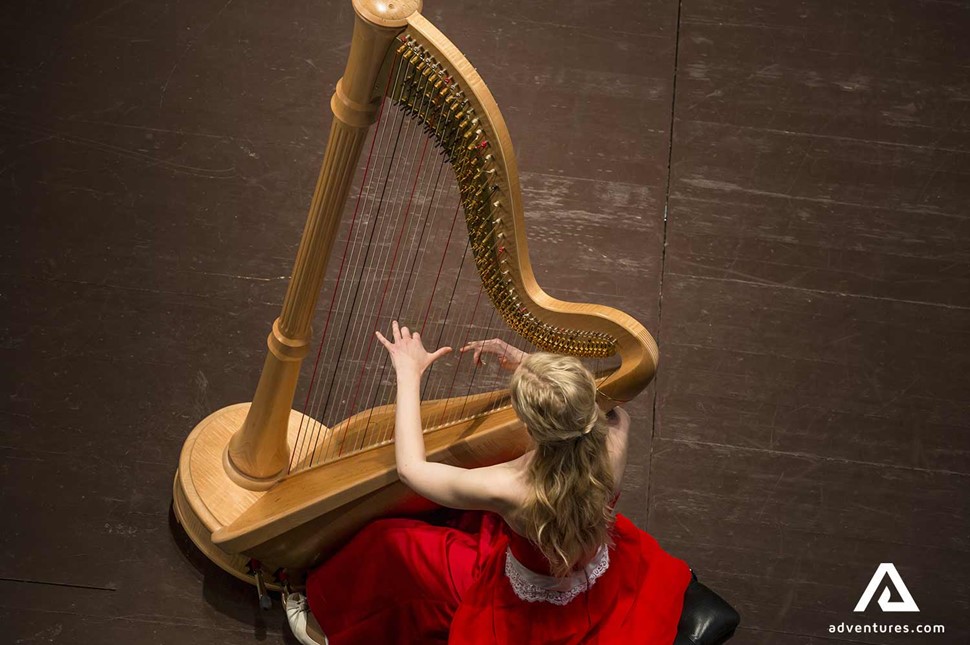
<point x="411" y="117"/>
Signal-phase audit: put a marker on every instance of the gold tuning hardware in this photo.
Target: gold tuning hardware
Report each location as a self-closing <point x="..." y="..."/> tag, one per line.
<point x="440" y="103"/>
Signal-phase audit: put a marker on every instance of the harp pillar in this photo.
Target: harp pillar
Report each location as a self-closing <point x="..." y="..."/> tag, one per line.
<point x="258" y="453"/>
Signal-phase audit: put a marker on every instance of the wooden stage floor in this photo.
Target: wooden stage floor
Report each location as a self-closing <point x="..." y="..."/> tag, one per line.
<point x="778" y="191"/>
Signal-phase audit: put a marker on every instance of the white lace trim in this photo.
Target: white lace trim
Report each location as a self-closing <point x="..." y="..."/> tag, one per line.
<point x="536" y="587"/>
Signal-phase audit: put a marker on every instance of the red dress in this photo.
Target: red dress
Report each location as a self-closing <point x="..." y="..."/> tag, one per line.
<point x="411" y="581"/>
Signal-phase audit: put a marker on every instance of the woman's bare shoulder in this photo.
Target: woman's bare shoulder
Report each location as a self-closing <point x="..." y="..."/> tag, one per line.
<point x="514" y="484"/>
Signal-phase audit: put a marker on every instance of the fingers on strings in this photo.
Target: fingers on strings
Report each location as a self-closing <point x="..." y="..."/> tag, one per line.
<point x="403" y="333"/>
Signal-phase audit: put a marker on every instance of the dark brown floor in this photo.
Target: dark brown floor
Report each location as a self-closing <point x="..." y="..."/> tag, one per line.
<point x="776" y="189"/>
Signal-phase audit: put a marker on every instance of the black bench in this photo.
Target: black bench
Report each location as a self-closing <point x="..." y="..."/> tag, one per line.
<point x="706" y="619"/>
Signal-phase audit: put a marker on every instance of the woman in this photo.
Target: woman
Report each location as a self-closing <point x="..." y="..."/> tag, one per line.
<point x="546" y="562"/>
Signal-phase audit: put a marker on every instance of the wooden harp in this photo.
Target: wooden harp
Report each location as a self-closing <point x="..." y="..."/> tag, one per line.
<point x="263" y="481"/>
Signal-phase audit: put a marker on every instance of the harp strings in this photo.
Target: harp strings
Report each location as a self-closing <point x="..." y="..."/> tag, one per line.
<point x="369" y="283"/>
<point x="309" y="429"/>
<point x="411" y="228"/>
<point x="345" y="352"/>
<point x="312" y="430"/>
<point x="382" y="381"/>
<point x="405" y="256"/>
<point x="402" y="287"/>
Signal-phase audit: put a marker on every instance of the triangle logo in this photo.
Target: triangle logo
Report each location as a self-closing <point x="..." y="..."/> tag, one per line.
<point x="905" y="603"/>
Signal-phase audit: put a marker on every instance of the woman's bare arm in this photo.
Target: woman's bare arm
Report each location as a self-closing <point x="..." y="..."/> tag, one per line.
<point x="618" y="442"/>
<point x="452" y="486"/>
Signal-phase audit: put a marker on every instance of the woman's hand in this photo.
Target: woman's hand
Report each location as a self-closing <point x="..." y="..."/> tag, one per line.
<point x="508" y="357"/>
<point x="407" y="352"/>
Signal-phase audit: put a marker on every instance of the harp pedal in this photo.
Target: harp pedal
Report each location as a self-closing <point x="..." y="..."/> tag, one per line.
<point x="265" y="600"/>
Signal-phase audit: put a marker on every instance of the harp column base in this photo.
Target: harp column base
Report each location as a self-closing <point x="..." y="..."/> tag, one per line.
<point x="242" y="479"/>
<point x="205" y="493"/>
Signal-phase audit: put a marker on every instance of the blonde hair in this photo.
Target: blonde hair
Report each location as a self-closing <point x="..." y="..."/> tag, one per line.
<point x="569" y="514"/>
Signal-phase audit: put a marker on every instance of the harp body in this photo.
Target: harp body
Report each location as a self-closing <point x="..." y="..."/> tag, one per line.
<point x="248" y="485"/>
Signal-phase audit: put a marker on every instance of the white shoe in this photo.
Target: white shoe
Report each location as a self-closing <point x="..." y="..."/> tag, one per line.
<point x="298" y="615"/>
